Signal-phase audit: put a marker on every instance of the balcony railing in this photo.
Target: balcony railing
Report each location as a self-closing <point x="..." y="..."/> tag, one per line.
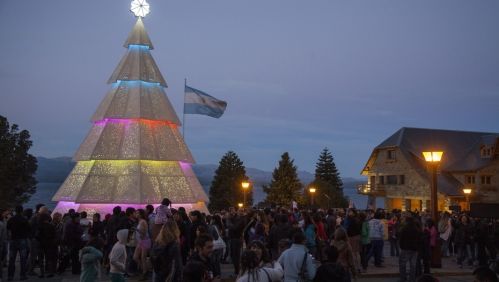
<point x="368" y="189"/>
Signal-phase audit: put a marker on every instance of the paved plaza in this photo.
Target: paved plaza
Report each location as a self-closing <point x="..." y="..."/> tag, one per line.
<point x="388" y="273"/>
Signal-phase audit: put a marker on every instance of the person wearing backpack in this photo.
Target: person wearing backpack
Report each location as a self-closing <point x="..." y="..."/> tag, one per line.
<point x="330" y="269"/>
<point x="165" y="256"/>
<point x="253" y="271"/>
<point x="298" y="265"/>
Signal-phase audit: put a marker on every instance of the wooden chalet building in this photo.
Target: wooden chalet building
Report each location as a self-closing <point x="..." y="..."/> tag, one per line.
<point x="396" y="169"/>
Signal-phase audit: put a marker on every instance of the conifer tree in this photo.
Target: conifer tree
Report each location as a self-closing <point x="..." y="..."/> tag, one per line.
<point x="285" y="185"/>
<point x="17" y="166"/>
<point x="328" y="182"/>
<point x="226" y="190"/>
<point x="325" y="170"/>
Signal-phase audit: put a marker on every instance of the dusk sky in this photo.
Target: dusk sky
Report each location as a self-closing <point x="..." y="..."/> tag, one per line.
<point x="298" y="75"/>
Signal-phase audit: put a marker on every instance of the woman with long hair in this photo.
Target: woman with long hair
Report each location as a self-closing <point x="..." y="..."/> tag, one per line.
<point x="252" y="271"/>
<point x="262" y="253"/>
<point x="310" y="233"/>
<point x="345" y="254"/>
<point x="321" y="235"/>
<point x="166" y="257"/>
<point x="143" y="242"/>
<point x="184" y="225"/>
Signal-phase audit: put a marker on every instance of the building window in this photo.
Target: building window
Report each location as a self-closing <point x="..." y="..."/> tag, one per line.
<point x="470" y="179"/>
<point x="401" y="179"/>
<point x="391" y="179"/>
<point x="486" y="179"/>
<point x="390" y="154"/>
<point x="381" y="179"/>
<point x="486" y="151"/>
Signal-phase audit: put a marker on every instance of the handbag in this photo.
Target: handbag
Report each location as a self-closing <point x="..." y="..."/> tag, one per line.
<point x="218" y="243"/>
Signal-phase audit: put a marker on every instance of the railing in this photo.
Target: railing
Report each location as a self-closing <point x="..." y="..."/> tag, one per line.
<point x="368" y="189"/>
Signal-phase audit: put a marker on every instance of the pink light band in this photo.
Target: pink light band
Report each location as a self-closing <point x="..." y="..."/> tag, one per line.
<point x="103" y="209"/>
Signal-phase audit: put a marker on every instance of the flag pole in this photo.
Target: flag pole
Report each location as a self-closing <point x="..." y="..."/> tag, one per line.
<point x="183" y="113"/>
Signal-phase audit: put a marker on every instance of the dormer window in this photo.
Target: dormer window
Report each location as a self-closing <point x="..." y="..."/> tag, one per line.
<point x="390" y="155"/>
<point x="470" y="179"/>
<point x="486" y="151"/>
<point x="486" y="179"/>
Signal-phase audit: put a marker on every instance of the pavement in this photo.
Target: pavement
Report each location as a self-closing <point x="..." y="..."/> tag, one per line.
<point x="388" y="273"/>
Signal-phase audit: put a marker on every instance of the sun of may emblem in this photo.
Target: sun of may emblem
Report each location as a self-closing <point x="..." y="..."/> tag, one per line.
<point x="140" y="8"/>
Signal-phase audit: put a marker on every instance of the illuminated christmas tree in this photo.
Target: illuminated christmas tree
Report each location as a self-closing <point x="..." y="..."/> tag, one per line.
<point x="134" y="154"/>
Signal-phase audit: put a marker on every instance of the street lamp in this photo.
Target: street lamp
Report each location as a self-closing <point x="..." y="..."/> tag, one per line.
<point x="245" y="184"/>
<point x="240" y="205"/>
<point x="433" y="158"/>
<point x="467" y="192"/>
<point x="312" y="192"/>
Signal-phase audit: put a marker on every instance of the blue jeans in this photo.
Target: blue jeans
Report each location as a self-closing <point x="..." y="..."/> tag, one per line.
<point x="407" y="256"/>
<point x="21" y="246"/>
<point x="376" y="251"/>
<point x="394" y="247"/>
<point x="117" y="277"/>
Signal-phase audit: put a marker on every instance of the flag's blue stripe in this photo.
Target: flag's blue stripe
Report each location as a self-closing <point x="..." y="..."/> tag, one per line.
<point x="200" y="109"/>
<point x="199" y="92"/>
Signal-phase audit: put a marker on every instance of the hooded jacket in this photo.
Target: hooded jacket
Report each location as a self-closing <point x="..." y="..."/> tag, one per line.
<point x="90" y="257"/>
<point x="117" y="257"/>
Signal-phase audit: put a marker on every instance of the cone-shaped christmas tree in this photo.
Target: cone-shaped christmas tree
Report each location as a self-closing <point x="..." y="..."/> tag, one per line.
<point x="134" y="154"/>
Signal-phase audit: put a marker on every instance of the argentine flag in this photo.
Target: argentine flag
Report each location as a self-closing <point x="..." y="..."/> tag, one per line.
<point x="199" y="103"/>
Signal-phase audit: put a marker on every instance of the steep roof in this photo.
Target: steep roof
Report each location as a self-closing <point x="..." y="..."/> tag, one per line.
<point x="461" y="151"/>
<point x="456" y="145"/>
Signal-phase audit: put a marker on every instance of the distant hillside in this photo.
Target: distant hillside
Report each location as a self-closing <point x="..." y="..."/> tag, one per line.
<point x="55" y="170"/>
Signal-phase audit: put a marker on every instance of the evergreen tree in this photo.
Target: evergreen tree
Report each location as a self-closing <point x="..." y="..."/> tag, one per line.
<point x="226" y="190"/>
<point x="325" y="170"/>
<point x="285" y="185"/>
<point x="17" y="166"/>
<point x="328" y="182"/>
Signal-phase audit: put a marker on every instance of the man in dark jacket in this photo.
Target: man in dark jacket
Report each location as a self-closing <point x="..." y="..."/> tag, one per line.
<point x="196" y="222"/>
<point x="236" y="226"/>
<point x="281" y="230"/>
<point x="410" y="242"/>
<point x="46" y="236"/>
<point x="204" y="249"/>
<point x="72" y="238"/>
<point x="19" y="229"/>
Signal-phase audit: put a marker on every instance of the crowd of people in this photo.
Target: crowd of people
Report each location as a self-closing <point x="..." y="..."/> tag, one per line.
<point x="272" y="244"/>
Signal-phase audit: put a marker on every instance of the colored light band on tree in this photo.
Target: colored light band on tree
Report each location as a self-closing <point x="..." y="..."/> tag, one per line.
<point x="126" y="122"/>
<point x="134" y="47"/>
<point x="91" y="208"/>
<point x="136" y="83"/>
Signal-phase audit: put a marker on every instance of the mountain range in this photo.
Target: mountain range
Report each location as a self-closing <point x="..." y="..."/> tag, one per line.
<point x="53" y="171"/>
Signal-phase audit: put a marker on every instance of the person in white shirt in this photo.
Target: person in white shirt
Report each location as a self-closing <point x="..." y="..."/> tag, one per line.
<point x="252" y="271"/>
<point x="296" y="261"/>
<point x="85" y="224"/>
<point x="117" y="257"/>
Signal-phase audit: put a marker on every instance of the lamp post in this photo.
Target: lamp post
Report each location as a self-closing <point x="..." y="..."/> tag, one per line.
<point x="433" y="158"/>
<point x="312" y="192"/>
<point x="467" y="192"/>
<point x="245" y="184"/>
